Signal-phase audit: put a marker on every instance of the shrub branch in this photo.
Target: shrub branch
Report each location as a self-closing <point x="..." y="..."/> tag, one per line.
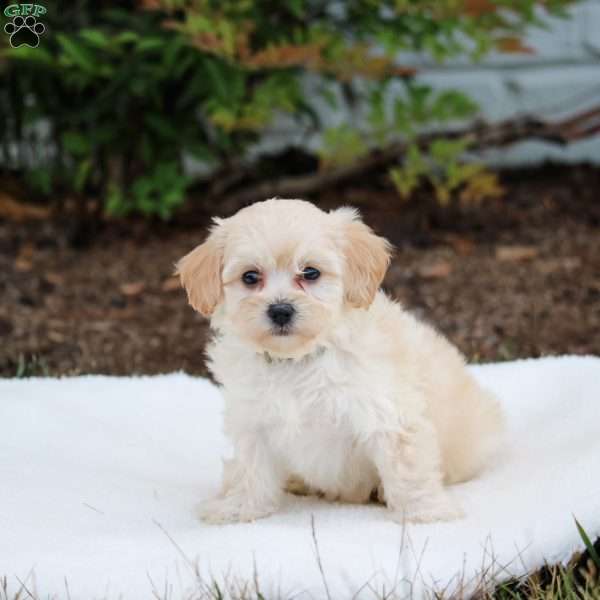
<point x="481" y="136"/>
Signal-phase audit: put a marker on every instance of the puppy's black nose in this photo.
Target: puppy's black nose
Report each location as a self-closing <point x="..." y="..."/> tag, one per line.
<point x="281" y="313"/>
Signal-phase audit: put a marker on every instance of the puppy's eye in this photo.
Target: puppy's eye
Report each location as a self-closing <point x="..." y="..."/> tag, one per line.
<point x="310" y="273"/>
<point x="251" y="277"/>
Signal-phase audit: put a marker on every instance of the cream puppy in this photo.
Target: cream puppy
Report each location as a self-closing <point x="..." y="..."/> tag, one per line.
<point x="326" y="380"/>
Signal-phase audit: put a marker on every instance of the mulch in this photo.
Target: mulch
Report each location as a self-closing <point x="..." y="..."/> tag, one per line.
<point x="515" y="277"/>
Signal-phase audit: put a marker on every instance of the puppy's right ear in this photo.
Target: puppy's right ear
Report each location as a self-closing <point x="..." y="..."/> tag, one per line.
<point x="200" y="271"/>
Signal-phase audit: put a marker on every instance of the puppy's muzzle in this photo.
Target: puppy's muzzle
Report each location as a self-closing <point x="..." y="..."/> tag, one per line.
<point x="281" y="313"/>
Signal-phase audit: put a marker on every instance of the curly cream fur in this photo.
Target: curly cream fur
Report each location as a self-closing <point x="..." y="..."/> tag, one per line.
<point x="360" y="396"/>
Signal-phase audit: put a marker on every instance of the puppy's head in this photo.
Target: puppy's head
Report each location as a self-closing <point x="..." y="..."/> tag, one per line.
<point x="280" y="273"/>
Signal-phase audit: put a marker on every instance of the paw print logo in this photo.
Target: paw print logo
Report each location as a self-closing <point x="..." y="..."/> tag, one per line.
<point x="24" y="31"/>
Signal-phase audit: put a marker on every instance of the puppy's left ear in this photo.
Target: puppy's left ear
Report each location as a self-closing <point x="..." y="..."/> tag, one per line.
<point x="200" y="271"/>
<point x="367" y="258"/>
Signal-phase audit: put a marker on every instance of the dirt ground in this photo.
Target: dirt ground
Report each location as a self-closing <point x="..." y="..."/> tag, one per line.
<point x="511" y="278"/>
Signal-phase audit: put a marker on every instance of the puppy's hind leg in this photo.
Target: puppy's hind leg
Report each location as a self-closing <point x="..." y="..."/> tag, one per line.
<point x="478" y="436"/>
<point x="297" y="486"/>
<point x="409" y="465"/>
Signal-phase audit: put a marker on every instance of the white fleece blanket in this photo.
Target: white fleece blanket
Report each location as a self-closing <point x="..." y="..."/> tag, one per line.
<point x="99" y="477"/>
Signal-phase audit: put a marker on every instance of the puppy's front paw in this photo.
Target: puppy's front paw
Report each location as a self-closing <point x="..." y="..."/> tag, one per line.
<point x="232" y="509"/>
<point x="439" y="508"/>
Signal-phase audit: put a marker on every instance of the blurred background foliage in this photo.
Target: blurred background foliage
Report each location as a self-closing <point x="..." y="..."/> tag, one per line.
<point x="117" y="96"/>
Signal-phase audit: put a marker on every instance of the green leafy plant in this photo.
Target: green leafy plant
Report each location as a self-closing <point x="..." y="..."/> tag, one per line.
<point x="447" y="171"/>
<point x="31" y="366"/>
<point x="114" y="98"/>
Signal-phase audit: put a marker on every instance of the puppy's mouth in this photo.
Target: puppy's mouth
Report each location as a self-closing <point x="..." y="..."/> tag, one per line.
<point x="281" y="330"/>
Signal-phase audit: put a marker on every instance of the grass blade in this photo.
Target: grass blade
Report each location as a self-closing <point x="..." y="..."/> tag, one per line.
<point x="588" y="544"/>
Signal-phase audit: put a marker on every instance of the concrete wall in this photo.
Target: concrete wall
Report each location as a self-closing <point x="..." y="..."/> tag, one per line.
<point x="561" y="77"/>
